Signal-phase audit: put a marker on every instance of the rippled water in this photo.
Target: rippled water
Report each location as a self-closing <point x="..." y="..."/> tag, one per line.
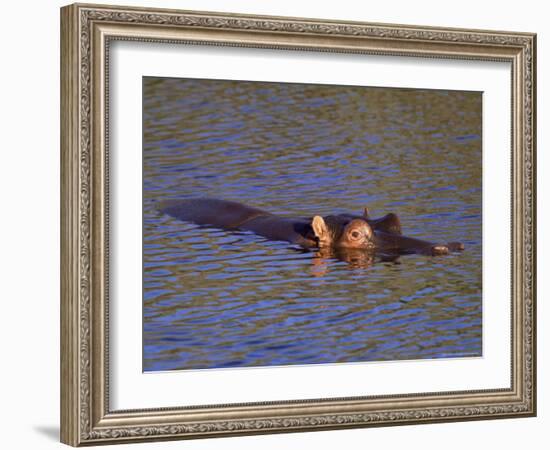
<point x="216" y="299"/>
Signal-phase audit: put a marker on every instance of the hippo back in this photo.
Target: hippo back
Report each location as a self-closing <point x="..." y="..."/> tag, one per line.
<point x="217" y="213"/>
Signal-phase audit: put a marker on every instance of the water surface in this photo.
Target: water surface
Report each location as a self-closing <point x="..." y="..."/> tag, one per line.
<point x="218" y="299"/>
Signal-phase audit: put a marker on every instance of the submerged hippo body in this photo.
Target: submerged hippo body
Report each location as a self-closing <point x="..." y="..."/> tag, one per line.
<point x="345" y="231"/>
<point x="230" y="215"/>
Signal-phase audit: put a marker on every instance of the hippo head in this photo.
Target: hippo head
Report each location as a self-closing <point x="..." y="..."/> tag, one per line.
<point x="343" y="232"/>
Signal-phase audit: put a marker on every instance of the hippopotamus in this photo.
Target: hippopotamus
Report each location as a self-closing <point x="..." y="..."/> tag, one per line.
<point x="340" y="231"/>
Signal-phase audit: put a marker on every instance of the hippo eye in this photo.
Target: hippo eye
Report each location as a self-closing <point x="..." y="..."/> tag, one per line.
<point x="355" y="235"/>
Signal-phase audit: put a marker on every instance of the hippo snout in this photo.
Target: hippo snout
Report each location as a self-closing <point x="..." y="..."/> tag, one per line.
<point x="439" y="250"/>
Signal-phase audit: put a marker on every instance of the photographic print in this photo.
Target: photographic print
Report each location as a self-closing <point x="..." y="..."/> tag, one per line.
<point x="294" y="208"/>
<point x="291" y="224"/>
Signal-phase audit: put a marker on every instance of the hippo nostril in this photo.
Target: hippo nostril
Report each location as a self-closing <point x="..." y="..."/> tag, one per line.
<point x="455" y="246"/>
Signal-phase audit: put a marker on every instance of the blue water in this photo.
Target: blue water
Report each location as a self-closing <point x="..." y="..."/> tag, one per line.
<point x="218" y="299"/>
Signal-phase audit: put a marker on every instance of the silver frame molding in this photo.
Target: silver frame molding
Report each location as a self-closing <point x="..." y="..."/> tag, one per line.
<point x="86" y="33"/>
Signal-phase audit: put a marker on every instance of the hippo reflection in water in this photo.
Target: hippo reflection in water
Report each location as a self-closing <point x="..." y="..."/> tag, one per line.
<point x="340" y="235"/>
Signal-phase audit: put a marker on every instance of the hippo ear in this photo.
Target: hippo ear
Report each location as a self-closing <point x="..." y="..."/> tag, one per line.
<point x="320" y="228"/>
<point x="366" y="213"/>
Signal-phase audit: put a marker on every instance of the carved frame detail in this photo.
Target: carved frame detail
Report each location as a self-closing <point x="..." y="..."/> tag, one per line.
<point x="87" y="31"/>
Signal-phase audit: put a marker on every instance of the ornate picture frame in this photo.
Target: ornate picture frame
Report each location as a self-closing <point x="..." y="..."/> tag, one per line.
<point x="87" y="31"/>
